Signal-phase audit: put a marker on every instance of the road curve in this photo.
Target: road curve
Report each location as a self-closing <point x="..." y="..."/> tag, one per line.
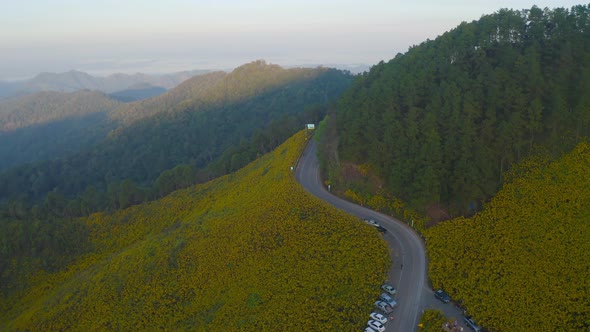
<point x="408" y="267"/>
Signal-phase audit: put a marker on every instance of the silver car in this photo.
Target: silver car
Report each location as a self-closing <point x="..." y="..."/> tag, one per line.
<point x="387" y="299"/>
<point x="389" y="289"/>
<point x="386" y="308"/>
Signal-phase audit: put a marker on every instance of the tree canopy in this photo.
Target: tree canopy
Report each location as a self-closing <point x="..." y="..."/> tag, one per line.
<point x="441" y="123"/>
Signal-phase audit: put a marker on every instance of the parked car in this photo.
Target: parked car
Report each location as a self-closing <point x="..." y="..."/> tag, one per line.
<point x="392" y="303"/>
<point x="381" y="229"/>
<point x="378" y="317"/>
<point x="387" y="299"/>
<point x="471" y="323"/>
<point x="375" y="325"/>
<point x="369" y="329"/>
<point x="389" y="289"/>
<point x="386" y="308"/>
<point x="441" y="295"/>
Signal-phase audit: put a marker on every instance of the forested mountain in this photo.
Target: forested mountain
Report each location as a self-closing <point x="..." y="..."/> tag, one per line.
<point x="522" y="264"/>
<point x="171" y="140"/>
<point x="47" y="125"/>
<point x="248" y="251"/>
<point x="441" y="123"/>
<point x="44" y="107"/>
<point x="177" y="99"/>
<point x="222" y="90"/>
<point x="137" y="92"/>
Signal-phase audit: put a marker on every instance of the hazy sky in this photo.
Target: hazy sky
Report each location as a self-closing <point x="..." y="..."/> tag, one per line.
<point x="106" y="36"/>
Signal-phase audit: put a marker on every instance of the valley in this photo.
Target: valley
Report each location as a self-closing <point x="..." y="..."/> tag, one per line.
<point x="448" y="183"/>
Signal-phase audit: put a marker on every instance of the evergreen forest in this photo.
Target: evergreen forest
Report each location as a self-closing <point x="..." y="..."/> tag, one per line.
<point x="441" y="123"/>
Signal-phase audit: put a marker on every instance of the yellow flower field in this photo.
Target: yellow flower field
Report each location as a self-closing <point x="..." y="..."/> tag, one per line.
<point x="248" y="251"/>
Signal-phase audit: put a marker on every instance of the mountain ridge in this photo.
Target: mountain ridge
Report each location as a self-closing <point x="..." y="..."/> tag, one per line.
<point x="75" y="80"/>
<point x="49" y="125"/>
<point x="46" y="106"/>
<point x="454" y="113"/>
<point x="150" y="143"/>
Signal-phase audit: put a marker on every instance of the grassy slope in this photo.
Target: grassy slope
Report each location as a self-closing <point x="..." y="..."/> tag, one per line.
<point x="247" y="251"/>
<point x="523" y="263"/>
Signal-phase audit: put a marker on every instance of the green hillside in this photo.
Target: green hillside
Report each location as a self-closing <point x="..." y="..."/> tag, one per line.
<point x="522" y="264"/>
<point x="185" y="129"/>
<point x="44" y="107"/>
<point x="441" y="123"/>
<point x="247" y="251"/>
<point x="225" y="90"/>
<point x="48" y="125"/>
<point x="139" y="92"/>
<point x="193" y="89"/>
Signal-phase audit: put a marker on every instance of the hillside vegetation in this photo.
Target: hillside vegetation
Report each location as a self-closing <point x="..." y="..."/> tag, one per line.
<point x="177" y="99"/>
<point x="522" y="264"/>
<point x="171" y="140"/>
<point x="441" y="123"/>
<point x="48" y="125"/>
<point x="220" y="89"/>
<point x="138" y="92"/>
<point x="44" y="107"/>
<point x="247" y="251"/>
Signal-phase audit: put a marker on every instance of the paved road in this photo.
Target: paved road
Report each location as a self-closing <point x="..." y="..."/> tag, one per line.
<point x="409" y="267"/>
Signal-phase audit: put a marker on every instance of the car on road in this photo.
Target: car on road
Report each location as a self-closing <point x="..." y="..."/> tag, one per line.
<point x="375" y="325"/>
<point x="389" y="289"/>
<point x="386" y="308"/>
<point x="471" y="323"/>
<point x="368" y="329"/>
<point x="378" y="317"/>
<point x="381" y="229"/>
<point x="372" y="222"/>
<point x="441" y="295"/>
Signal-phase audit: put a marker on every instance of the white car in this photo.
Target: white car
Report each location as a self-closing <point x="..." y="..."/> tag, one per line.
<point x="368" y="329"/>
<point x="372" y="222"/>
<point x="378" y="317"/>
<point x="375" y="325"/>
<point x="389" y="289"/>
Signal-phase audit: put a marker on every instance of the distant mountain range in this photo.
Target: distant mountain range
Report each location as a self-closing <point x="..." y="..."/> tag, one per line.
<point x="122" y="87"/>
<point x="193" y="124"/>
<point x="76" y="80"/>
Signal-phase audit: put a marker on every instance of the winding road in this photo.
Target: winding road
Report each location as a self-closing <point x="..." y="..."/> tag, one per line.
<point x="408" y="271"/>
